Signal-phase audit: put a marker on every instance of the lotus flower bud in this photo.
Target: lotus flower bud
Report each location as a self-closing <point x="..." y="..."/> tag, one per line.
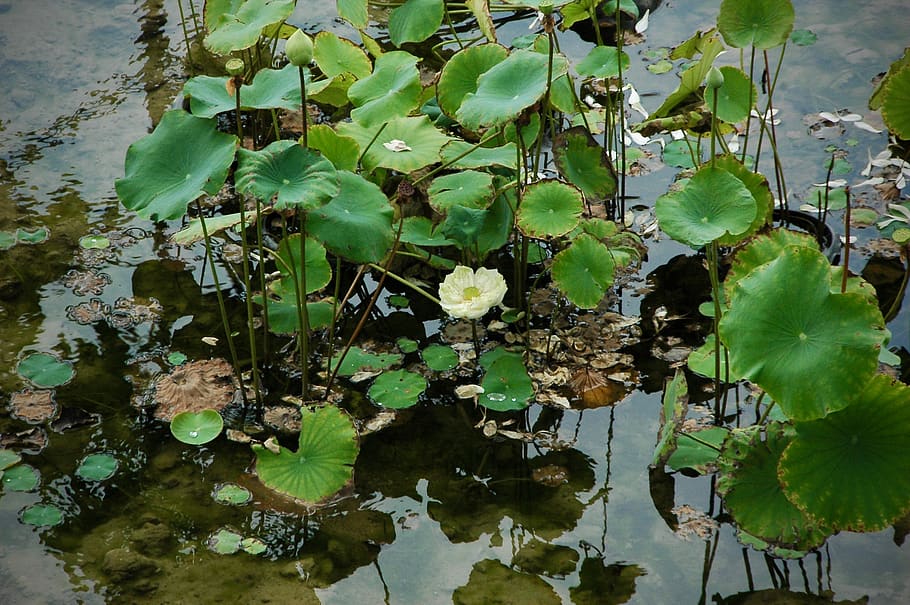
<point x="234" y="67"/>
<point x="714" y="79"/>
<point x="299" y="48"/>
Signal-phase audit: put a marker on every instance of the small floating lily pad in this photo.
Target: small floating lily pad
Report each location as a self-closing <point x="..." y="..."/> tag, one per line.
<point x="20" y="478"/>
<point x="197" y="429"/>
<point x="439" y="358"/>
<point x="45" y="370"/>
<point x="176" y="358"/>
<point x="357" y="359"/>
<point x="225" y="541"/>
<point x="406" y="345"/>
<point x="231" y="493"/>
<point x="253" y="546"/>
<point x="97" y="467"/>
<point x="42" y="515"/>
<point x="506" y="383"/>
<point x="7" y="459"/>
<point x="94" y="241"/>
<point x="398" y="389"/>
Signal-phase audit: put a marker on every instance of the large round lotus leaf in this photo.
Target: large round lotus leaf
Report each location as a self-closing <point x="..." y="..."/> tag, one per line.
<point x="318" y="269"/>
<point x="584" y="271"/>
<point x="415" y="21"/>
<point x="850" y="469"/>
<point x="468" y="188"/>
<point x="420" y="231"/>
<point x="713" y="203"/>
<point x="582" y="162"/>
<point x="701" y="360"/>
<point x="604" y="62"/>
<point x="354" y="12"/>
<point x="42" y="515"/>
<point x="357" y="223"/>
<point x="336" y="56"/>
<point x="462" y="155"/>
<point x="757" y="185"/>
<point x="21" y="478"/>
<point x="672" y="413"/>
<point x="506" y="383"/>
<point x="439" y="358"/>
<point x="460" y="73"/>
<point x="811" y="349"/>
<point x="397" y="389"/>
<point x="493" y="582"/>
<point x="896" y="103"/>
<point x="463" y="225"/>
<point x="753" y="495"/>
<point x="343" y="152"/>
<point x="323" y="462"/>
<point x="762" y="23"/>
<point x="507" y="89"/>
<point x="97" y="467"/>
<point x="357" y="360"/>
<point x="763" y="249"/>
<point x="237" y="24"/>
<point x="391" y="91"/>
<point x="44" y="370"/>
<point x="698" y="450"/>
<point x="232" y="494"/>
<point x="294" y="176"/>
<point x="284" y="317"/>
<point x="735" y="97"/>
<point x="549" y="209"/>
<point x="423" y="140"/>
<point x="197" y="428"/>
<point x="184" y="158"/>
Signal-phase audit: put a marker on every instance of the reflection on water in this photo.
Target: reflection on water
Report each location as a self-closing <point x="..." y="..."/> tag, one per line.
<point x="438" y="512"/>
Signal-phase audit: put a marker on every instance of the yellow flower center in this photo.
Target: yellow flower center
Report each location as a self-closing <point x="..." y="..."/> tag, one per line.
<point x="471" y="292"/>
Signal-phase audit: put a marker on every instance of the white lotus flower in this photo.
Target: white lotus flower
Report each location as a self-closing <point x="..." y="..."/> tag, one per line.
<point x="469" y="295"/>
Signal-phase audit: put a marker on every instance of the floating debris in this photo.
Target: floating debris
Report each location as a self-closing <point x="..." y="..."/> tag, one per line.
<point x="33" y="406"/>
<point x="193" y="387"/>
<point x="86" y="282"/>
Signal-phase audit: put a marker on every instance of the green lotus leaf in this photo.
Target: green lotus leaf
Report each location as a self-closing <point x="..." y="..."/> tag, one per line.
<point x="284" y="317"/>
<point x="786" y="328"/>
<point x="7" y="240"/>
<point x="463" y="225"/>
<point x="417" y="133"/>
<point x="459" y="75"/>
<point x="584" y="271"/>
<point x="803" y="37"/>
<point x="549" y="209"/>
<point x="757" y="185"/>
<point x="269" y="89"/>
<point x="332" y="92"/>
<point x="753" y="494"/>
<point x="336" y="56"/>
<point x="875" y="101"/>
<point x="97" y="467"/>
<point x="343" y="152"/>
<point x="34" y="236"/>
<point x="397" y="389"/>
<point x="193" y="231"/>
<point x="481" y="11"/>
<point x="391" y="91"/>
<point x="354" y="12"/>
<point x="232" y="494"/>
<point x="763" y="249"/>
<point x="237" y="24"/>
<point x="701" y="361"/>
<point x="7" y="459"/>
<point x="712" y="204"/>
<point x="896" y="103"/>
<point x="295" y="176"/>
<point x="492" y="582"/>
<point x="562" y="90"/>
<point x="690" y="81"/>
<point x="357" y="360"/>
<point x="735" y="97"/>
<point x="45" y="370"/>
<point x="184" y="158"/>
<point x="318" y="270"/>
<point x="763" y="24"/>
<point x="357" y="223"/>
<point x="698" y="450"/>
<point x="20" y="478"/>
<point x="582" y="162"/>
<point x="496" y="228"/>
<point x="461" y="155"/>
<point x="323" y="462"/>
<point x="42" y="515"/>
<point x="96" y="242"/>
<point x="506" y="383"/>
<point x="604" y="62"/>
<point x="415" y="21"/>
<point x="440" y="358"/>
<point x="224" y="541"/>
<point x="197" y="428"/>
<point x="253" y="546"/>
<point x="850" y="469"/>
<point x="420" y="231"/>
<point x="406" y="345"/>
<point x="508" y="88"/>
<point x="672" y="413"/>
<point x="468" y="188"/>
<point x="679" y="154"/>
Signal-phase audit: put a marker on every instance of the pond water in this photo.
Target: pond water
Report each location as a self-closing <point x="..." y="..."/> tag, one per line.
<point x="437" y="510"/>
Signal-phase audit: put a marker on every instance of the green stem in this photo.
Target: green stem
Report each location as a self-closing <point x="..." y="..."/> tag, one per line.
<point x="404" y="281"/>
<point x="303" y="112"/>
<point x="715" y="294"/>
<point x="304" y="315"/>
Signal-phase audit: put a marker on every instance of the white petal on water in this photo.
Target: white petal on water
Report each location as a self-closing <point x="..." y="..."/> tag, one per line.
<point x="864" y="126"/>
<point x="827" y="115"/>
<point x="851" y="117"/>
<point x="642" y="24"/>
<point x="834" y="183"/>
<point x="873" y="181"/>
